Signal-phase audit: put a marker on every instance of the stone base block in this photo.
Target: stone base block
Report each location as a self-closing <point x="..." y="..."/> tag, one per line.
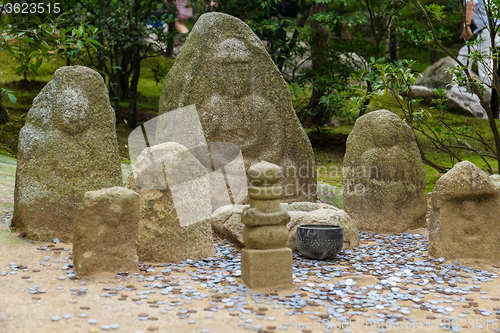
<point x="106" y="232"/>
<point x="267" y="268"/>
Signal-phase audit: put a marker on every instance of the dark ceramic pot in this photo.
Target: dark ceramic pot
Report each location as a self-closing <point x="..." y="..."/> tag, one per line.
<point x="319" y="241"/>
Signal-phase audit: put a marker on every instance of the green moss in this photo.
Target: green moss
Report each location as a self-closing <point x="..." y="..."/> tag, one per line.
<point x="11" y="239"/>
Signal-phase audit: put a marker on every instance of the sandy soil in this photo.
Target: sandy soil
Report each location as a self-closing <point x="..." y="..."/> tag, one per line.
<point x="24" y="312"/>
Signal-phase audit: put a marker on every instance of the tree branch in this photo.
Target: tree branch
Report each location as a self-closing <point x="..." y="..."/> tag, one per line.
<point x="86" y="7"/>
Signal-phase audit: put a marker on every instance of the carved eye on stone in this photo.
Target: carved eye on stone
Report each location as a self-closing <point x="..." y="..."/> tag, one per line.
<point x="73" y="107"/>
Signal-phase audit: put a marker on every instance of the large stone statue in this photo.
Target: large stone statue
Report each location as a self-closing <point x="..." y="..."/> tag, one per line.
<point x="241" y="98"/>
<point x="67" y="147"/>
<point x="383" y="177"/>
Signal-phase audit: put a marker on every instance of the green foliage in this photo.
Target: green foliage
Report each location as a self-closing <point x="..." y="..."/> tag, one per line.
<point x="397" y="79"/>
<point x="32" y="40"/>
<point x="9" y="95"/>
<point x="371" y="26"/>
<point x="436" y="11"/>
<point x="439" y="100"/>
<point x="386" y="77"/>
<point x="71" y="47"/>
<point x="336" y="105"/>
<point x="318" y="130"/>
<point x="416" y="34"/>
<point x="159" y="72"/>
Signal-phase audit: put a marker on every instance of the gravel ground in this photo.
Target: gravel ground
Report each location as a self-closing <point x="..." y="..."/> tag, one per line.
<point x="387" y="284"/>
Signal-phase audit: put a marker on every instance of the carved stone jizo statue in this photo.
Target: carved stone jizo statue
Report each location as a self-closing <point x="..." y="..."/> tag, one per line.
<point x="241" y="98"/>
<point x="67" y="147"/>
<point x="265" y="232"/>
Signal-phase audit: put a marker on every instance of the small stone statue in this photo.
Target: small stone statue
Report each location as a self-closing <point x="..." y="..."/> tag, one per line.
<point x="265" y="261"/>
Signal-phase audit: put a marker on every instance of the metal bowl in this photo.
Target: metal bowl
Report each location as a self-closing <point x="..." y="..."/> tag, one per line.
<point x="319" y="241"/>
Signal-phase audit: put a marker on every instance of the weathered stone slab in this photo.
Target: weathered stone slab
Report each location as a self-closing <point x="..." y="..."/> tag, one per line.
<point x="162" y="236"/>
<point x="306" y="206"/>
<point x="458" y="100"/>
<point x="464" y="220"/>
<point x="435" y="76"/>
<point x="67" y="147"/>
<point x="106" y="231"/>
<point x="226" y="221"/>
<point x="241" y="98"/>
<point x="383" y="177"/>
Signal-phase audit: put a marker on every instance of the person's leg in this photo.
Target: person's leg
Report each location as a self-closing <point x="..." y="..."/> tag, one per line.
<point x="485" y="66"/>
<point x="180" y="27"/>
<point x="463" y="57"/>
<point x="497" y="45"/>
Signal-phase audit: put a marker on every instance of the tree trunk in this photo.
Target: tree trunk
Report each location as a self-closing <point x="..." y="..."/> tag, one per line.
<point x="101" y="64"/>
<point x="117" y="89"/>
<point x="393" y="45"/>
<point x="4" y="116"/>
<point x="434" y="54"/>
<point x="495" y="101"/>
<point x="319" y="45"/>
<point x="133" y="59"/>
<point x="170" y="39"/>
<point x="369" y="90"/>
<point x="132" y="115"/>
<point x="285" y="52"/>
<point x="315" y="119"/>
<point x="125" y="78"/>
<point x="172" y="9"/>
<point x="493" y="114"/>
